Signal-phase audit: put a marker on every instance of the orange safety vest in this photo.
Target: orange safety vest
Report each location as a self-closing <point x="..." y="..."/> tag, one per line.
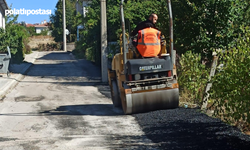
<point x="149" y="42"/>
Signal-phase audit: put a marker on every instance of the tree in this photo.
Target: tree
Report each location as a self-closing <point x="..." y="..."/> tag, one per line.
<point x="90" y="43"/>
<point x="31" y="30"/>
<point x="200" y="26"/>
<point x="57" y="20"/>
<point x="16" y="37"/>
<point x="203" y="26"/>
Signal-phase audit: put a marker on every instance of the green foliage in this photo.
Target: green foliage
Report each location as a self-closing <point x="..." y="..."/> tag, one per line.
<point x="193" y="76"/>
<point x="16" y="37"/>
<point x="89" y="44"/>
<point x="113" y="48"/>
<point x="206" y="25"/>
<point x="44" y="32"/>
<point x="31" y="30"/>
<point x="26" y="47"/>
<point x="230" y="88"/>
<point x="79" y="52"/>
<point x="72" y="20"/>
<point x="49" y="47"/>
<point x="91" y="32"/>
<point x="4" y="41"/>
<point x="201" y="26"/>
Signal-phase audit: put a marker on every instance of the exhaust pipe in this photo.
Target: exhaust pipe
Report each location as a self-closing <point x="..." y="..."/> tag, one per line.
<point x="123" y="38"/>
<point x="171" y="35"/>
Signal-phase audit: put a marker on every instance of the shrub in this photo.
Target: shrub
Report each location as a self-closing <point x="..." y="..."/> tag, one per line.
<point x="26" y="48"/>
<point x="230" y="88"/>
<point x="50" y="47"/>
<point x="80" y="49"/>
<point x="31" y="30"/>
<point x="15" y="37"/>
<point x="193" y="76"/>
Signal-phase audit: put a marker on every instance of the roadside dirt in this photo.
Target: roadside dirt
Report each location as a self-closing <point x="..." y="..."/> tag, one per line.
<point x="35" y="40"/>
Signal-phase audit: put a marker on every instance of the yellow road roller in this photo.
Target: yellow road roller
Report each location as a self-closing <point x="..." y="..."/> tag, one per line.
<point x="141" y="84"/>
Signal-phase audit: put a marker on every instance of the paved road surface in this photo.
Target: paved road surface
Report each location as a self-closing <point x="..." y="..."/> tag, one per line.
<point x="61" y="105"/>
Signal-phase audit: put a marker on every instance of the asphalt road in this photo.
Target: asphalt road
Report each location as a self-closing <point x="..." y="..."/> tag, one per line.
<point x="62" y="105"/>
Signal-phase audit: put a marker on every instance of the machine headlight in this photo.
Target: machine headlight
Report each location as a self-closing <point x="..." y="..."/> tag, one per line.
<point x="137" y="76"/>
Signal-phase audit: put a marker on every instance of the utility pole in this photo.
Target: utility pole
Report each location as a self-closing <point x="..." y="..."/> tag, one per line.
<point x="64" y="27"/>
<point x="104" y="44"/>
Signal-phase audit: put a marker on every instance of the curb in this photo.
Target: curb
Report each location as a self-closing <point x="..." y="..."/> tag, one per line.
<point x="11" y="84"/>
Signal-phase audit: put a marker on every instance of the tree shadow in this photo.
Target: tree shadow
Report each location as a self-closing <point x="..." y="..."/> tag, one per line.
<point x="90" y="109"/>
<point x="76" y="110"/>
<point x="55" y="55"/>
<point x="63" y="64"/>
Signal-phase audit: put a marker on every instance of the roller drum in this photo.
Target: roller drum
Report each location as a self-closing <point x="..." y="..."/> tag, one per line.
<point x="151" y="100"/>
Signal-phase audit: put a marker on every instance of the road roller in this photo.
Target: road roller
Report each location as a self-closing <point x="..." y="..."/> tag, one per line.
<point x="141" y="84"/>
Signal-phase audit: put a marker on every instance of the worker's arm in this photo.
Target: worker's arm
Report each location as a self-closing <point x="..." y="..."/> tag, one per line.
<point x="138" y="28"/>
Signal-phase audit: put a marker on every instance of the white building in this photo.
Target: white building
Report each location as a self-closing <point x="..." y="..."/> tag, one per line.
<point x="41" y="27"/>
<point x="3" y="7"/>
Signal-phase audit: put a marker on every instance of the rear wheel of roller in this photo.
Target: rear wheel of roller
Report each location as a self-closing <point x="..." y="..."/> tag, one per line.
<point x="115" y="94"/>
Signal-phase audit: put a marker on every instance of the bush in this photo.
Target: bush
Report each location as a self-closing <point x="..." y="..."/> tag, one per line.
<point x="26" y="48"/>
<point x="3" y="41"/>
<point x="230" y="88"/>
<point x="31" y="30"/>
<point x="16" y="37"/>
<point x="50" y="47"/>
<point x="80" y="49"/>
<point x="193" y="76"/>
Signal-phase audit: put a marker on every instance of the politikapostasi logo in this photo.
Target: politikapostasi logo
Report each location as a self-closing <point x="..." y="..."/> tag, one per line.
<point x="28" y="12"/>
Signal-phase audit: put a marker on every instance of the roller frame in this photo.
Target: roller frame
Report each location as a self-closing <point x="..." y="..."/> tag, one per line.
<point x="135" y="96"/>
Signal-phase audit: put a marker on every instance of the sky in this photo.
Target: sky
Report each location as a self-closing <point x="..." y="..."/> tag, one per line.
<point x="33" y="5"/>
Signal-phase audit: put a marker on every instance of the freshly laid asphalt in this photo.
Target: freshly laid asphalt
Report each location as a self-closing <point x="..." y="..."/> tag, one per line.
<point x="190" y="129"/>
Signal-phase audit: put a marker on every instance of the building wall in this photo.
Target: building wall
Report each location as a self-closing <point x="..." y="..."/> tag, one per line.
<point x="39" y="29"/>
<point x="2" y="18"/>
<point x="3" y="6"/>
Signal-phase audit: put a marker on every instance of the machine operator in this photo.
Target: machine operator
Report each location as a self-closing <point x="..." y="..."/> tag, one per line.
<point x="149" y="37"/>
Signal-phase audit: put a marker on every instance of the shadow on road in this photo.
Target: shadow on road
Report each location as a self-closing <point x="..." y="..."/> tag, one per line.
<point x="91" y="109"/>
<point x="63" y="64"/>
<point x="55" y="55"/>
<point x="77" y="72"/>
<point x="76" y="110"/>
<point x="67" y="71"/>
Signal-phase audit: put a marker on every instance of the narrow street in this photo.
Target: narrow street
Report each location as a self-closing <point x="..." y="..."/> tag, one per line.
<point x="62" y="105"/>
